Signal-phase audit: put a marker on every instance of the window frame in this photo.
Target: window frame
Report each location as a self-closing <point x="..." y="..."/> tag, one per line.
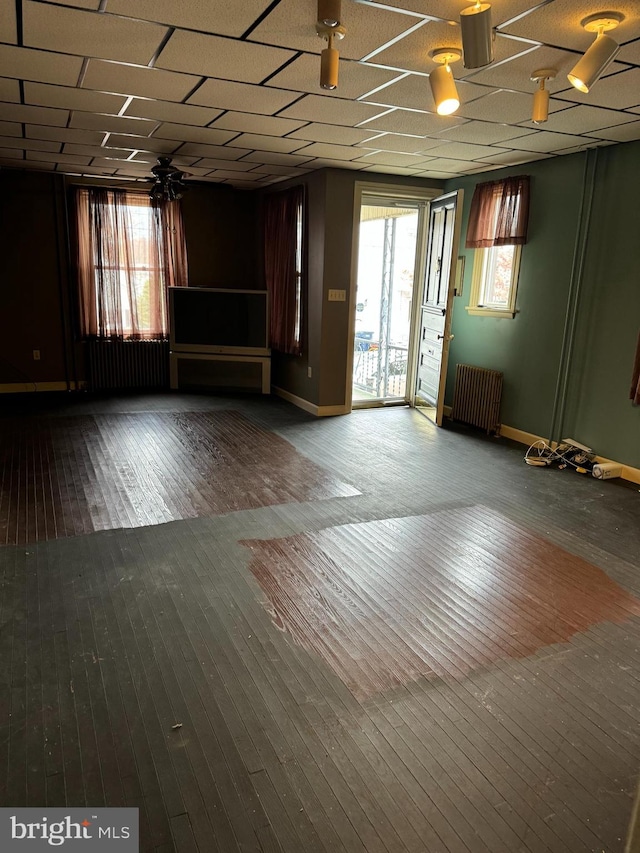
<point x="478" y="284"/>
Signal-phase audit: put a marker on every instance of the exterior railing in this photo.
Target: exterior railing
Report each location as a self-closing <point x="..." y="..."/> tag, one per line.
<point x="379" y="371"/>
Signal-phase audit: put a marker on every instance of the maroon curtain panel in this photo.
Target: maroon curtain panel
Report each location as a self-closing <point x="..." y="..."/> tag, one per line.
<point x="127" y="256"/>
<point x="634" y="394"/>
<point x="499" y="213"/>
<point x="281" y="218"/>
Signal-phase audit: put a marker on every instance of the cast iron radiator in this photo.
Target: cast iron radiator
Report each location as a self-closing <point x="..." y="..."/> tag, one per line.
<point x="476" y="398"/>
<point x="127" y="364"/>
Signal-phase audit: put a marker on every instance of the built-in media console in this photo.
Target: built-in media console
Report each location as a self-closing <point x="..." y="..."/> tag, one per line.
<point x="219" y="338"/>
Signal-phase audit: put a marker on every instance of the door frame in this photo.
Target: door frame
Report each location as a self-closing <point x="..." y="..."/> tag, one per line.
<point x="399" y="192"/>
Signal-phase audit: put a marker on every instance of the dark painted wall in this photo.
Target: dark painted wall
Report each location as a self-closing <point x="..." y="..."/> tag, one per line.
<point x="555" y="278"/>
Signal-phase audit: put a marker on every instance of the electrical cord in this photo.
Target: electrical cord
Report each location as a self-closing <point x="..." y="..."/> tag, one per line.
<point x="541" y="454"/>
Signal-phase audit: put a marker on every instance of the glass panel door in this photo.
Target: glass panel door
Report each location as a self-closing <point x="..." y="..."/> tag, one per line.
<point x="389" y="231"/>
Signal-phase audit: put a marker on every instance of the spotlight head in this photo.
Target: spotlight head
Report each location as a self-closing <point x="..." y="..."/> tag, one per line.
<point x="443" y="86"/>
<point x="477" y="35"/>
<point x="602" y="52"/>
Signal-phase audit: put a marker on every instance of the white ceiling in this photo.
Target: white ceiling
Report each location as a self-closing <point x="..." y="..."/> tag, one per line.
<point x="231" y="90"/>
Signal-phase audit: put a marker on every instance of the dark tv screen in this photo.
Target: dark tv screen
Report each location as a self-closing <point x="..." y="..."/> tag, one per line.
<point x="219" y="318"/>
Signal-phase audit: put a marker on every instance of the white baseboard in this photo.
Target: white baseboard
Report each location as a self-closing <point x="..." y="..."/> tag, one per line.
<point x="25" y="387"/>
<point x="312" y="408"/>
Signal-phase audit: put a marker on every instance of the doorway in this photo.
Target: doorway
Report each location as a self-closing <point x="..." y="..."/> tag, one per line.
<point x="389" y="242"/>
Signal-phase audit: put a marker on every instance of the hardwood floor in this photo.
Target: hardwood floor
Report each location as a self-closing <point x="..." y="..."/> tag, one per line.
<point x="375" y="635"/>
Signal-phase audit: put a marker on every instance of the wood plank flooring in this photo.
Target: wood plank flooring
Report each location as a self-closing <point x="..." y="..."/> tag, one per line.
<point x="69" y="476"/>
<point x="386" y="602"/>
<point x="397" y="639"/>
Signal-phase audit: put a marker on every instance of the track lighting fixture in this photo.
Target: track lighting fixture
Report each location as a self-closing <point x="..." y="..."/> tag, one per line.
<point x="328" y="27"/>
<point x="329" y="12"/>
<point x="443" y="86"/>
<point x="602" y="52"/>
<point x="541" y="95"/>
<point x="477" y="35"/>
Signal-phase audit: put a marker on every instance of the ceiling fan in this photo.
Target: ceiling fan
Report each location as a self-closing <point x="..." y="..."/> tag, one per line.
<point x="168" y="181"/>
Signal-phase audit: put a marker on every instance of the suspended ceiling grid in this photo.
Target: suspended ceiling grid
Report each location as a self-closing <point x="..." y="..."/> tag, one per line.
<point x="231" y="90"/>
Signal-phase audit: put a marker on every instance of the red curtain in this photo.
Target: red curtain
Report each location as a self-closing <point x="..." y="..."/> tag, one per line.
<point x="128" y="252"/>
<point x="634" y="394"/>
<point x="282" y="263"/>
<point x="499" y="213"/>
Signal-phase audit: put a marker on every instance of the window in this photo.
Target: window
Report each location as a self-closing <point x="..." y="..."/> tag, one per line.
<point x="129" y="252"/>
<point x="494" y="282"/>
<point x="497" y="229"/>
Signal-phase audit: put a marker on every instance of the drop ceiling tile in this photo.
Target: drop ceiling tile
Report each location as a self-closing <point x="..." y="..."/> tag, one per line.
<point x="39" y="65"/>
<point x="481" y="132"/>
<point x="12" y="154"/>
<point x="66" y="159"/>
<point x="275" y="157"/>
<point x="35" y="115"/>
<point x="321" y="163"/>
<point x="8" y="29"/>
<point x="621" y="133"/>
<point x="10" y="128"/>
<point x="97" y="151"/>
<point x="89" y="33"/>
<point x="267" y="143"/>
<point x="171" y="113"/>
<point x="544" y="141"/>
<point x="396" y="142"/>
<point x="265" y="125"/>
<point x="392" y="170"/>
<point x="331" y="133"/>
<point x="219" y="152"/>
<point x="9" y="90"/>
<point x="19" y="163"/>
<point x="588" y="143"/>
<point x="584" y="119"/>
<point x="461" y="151"/>
<point x="290" y="24"/>
<point x="390" y="158"/>
<point x="211" y="16"/>
<point x="331" y="110"/>
<point x="146" y="143"/>
<point x="414" y="93"/>
<point x="330" y="152"/>
<point x="186" y="133"/>
<point x="144" y="82"/>
<point x="226" y="95"/>
<point x="212" y="56"/>
<point x="111" y="162"/>
<point x="112" y="124"/>
<point x="558" y="23"/>
<point x="630" y="53"/>
<point x="72" y="99"/>
<point x="65" y="134"/>
<point x="245" y="177"/>
<point x="354" y="79"/>
<point x="94" y="5"/>
<point x="502" y="107"/>
<point x="437" y="175"/>
<point x="512" y="158"/>
<point x="411" y="122"/>
<point x="286" y="171"/>
<point x="412" y="53"/>
<point x="445" y="164"/>
<point x="618" y="91"/>
<point x="449" y="10"/>
<point x="28" y="144"/>
<point x="210" y="163"/>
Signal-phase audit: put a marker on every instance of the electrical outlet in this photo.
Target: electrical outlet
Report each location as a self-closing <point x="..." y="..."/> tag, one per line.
<point x="309" y="372"/>
<point x="337" y="296"/>
<point x="36" y="355"/>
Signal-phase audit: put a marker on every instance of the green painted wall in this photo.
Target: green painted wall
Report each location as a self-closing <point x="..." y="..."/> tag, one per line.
<point x="528" y="349"/>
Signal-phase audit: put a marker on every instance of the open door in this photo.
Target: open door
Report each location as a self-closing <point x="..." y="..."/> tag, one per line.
<point x="434" y="324"/>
